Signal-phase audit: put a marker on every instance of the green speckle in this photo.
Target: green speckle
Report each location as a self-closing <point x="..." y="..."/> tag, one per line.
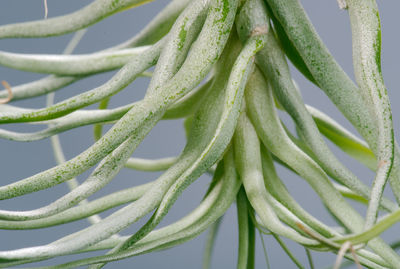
<point x="225" y="10"/>
<point x="182" y="35"/>
<point x="377" y="46"/>
<point x="115" y="4"/>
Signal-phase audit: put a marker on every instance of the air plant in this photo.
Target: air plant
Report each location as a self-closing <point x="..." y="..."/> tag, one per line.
<point x="222" y="66"/>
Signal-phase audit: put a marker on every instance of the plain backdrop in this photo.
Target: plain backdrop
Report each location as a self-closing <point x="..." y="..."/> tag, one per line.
<point x="19" y="160"/>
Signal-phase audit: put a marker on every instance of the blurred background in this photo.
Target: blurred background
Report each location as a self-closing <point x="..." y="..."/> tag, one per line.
<point x="19" y="160"/>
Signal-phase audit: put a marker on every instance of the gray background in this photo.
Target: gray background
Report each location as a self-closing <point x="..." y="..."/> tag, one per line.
<point x="19" y="160"/>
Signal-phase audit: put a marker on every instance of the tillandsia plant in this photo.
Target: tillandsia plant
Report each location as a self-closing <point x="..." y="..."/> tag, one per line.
<point x="222" y="66"/>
